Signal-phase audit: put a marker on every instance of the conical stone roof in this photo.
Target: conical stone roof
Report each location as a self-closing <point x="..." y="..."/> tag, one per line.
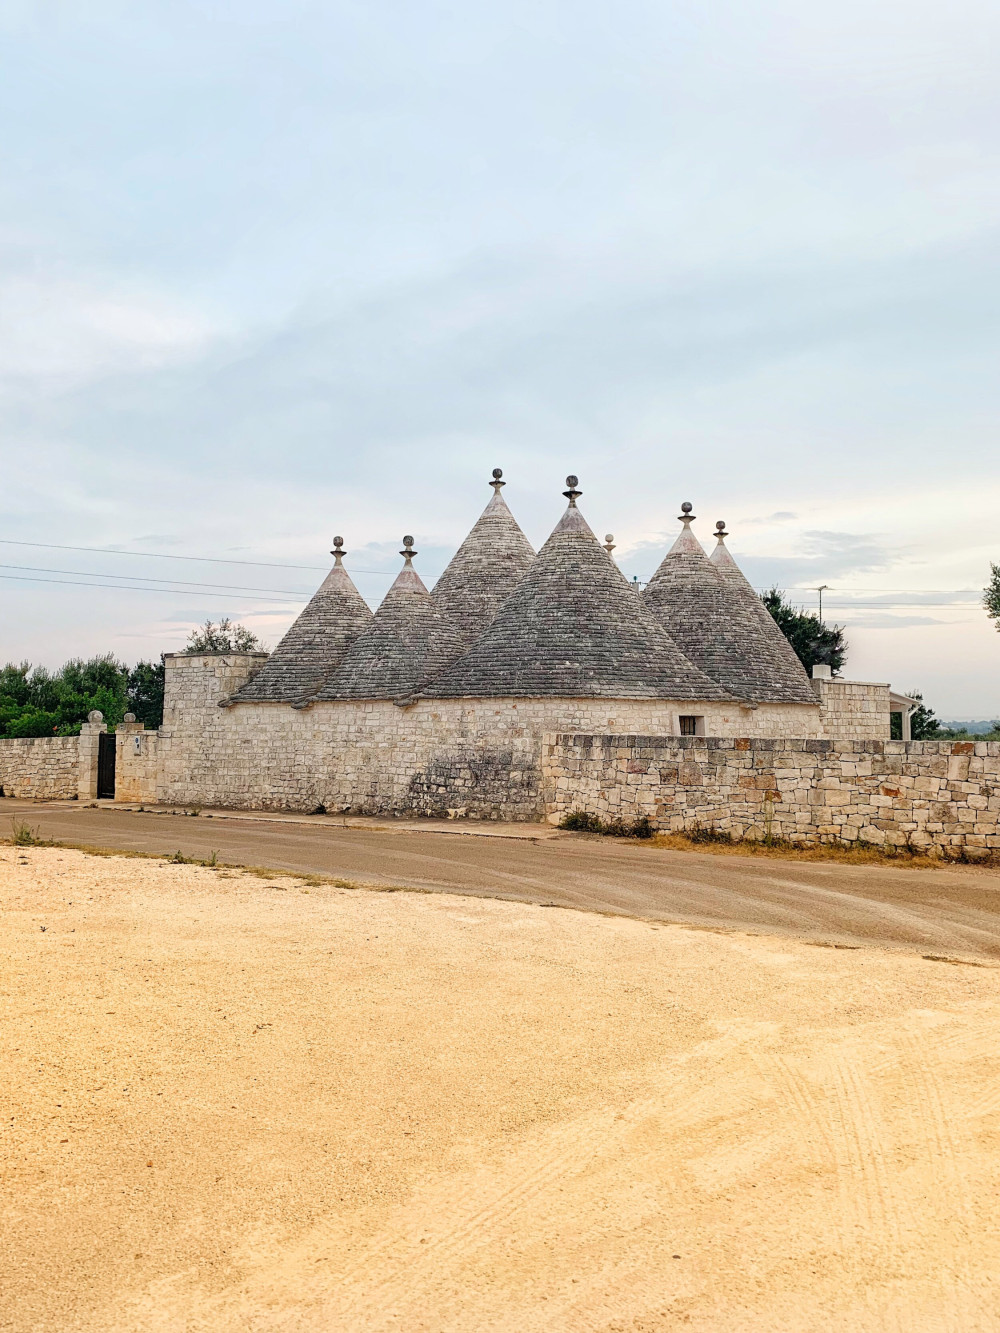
<point x="407" y="642"/>
<point x="573" y="628"/>
<point x="485" y="569"/>
<point x="687" y="596"/>
<point x="774" y="672"/>
<point x="316" y="642"/>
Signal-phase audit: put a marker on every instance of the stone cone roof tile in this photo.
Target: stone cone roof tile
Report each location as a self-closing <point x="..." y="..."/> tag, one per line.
<point x="572" y="628"/>
<point x="484" y="570"/>
<point x="407" y="641"/>
<point x="314" y="645"/>
<point x="772" y="670"/>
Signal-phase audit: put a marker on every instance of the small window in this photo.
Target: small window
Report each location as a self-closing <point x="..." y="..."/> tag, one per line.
<point x="692" y="726"/>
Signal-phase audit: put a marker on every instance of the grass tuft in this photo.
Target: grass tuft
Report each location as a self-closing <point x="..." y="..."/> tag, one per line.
<point x="23" y="835"/>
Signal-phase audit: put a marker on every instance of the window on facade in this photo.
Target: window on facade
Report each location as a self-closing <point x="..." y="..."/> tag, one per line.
<point x="692" y="726"/>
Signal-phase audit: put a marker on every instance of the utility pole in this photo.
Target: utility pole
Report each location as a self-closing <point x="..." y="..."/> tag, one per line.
<point x="823" y="587"/>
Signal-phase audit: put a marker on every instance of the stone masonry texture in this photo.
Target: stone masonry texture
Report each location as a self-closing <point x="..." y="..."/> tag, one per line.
<point x="42" y="768"/>
<point x="935" y="796"/>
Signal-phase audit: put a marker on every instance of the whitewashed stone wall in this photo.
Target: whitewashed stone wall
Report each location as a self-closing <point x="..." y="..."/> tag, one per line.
<point x="482" y="757"/>
<point x="853" y="710"/>
<point x="40" y="768"/>
<point x="942" y="795"/>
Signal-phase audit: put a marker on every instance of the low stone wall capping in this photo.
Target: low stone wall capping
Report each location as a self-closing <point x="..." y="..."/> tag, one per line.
<point x="941" y="796"/>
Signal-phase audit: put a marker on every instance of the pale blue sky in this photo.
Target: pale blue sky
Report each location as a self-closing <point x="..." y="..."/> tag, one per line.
<point x="271" y="271"/>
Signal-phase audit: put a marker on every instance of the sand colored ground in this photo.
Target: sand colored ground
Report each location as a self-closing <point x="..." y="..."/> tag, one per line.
<point x="239" y="1104"/>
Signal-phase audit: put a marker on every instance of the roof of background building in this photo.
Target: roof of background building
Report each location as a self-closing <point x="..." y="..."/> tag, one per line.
<point x="573" y="628"/>
<point x="316" y="642"/>
<point x="771" y="661"/>
<point x="485" y="569"/>
<point x="407" y="641"/>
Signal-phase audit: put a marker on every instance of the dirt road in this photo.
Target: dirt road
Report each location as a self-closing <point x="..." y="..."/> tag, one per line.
<point x="241" y="1106"/>
<point x="933" y="911"/>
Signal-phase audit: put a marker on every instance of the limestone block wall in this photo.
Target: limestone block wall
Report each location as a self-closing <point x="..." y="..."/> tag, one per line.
<point x="40" y="768"/>
<point x="853" y="709"/>
<point x="137" y="762"/>
<point x="941" y="796"/>
<point x="481" y="757"/>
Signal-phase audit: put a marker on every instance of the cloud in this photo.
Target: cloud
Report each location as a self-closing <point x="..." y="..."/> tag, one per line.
<point x="781" y="516"/>
<point x="61" y="331"/>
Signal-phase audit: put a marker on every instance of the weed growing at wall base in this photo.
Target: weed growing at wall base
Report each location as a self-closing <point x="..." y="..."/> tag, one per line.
<point x="579" y="821"/>
<point x="854" y="853"/>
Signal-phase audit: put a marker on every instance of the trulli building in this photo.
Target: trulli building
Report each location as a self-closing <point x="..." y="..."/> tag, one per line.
<point x="447" y="699"/>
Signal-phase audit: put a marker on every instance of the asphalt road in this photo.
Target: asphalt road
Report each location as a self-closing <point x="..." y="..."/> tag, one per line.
<point x="943" y="912"/>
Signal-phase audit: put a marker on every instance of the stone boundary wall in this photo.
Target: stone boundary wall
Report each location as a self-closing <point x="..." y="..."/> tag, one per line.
<point x="40" y="767"/>
<point x="939" y="796"/>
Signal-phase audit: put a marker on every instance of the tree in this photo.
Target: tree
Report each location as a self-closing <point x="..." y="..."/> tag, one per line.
<point x="225" y="637"/>
<point x="38" y="702"/>
<point x="145" y="693"/>
<point x="814" y="641"/>
<point x="991" y="596"/>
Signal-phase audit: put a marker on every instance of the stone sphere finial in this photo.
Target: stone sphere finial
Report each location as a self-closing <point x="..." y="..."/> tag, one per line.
<point x="338" y="551"/>
<point x="609" y="542"/>
<point x="129" y="717"/>
<point x="496" y="483"/>
<point x="408" y="552"/>
<point x="720" y="529"/>
<point x="572" y="482"/>
<point x="95" y="715"/>
<point x="685" y="515"/>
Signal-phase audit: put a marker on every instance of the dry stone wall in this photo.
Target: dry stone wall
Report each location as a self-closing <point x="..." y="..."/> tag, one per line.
<point x="40" y="768"/>
<point x="940" y="796"/>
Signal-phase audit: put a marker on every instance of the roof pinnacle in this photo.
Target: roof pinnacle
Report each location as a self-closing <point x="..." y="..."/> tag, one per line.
<point x="720" y="529"/>
<point x="685" y="516"/>
<point x="609" y="542"/>
<point x="408" y="552"/>
<point x="572" y="493"/>
<point x="496" y="483"/>
<point x="338" y="552"/>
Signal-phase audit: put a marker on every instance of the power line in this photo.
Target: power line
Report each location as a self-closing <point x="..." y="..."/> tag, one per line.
<point x="198" y="559"/>
<point x="121" y="587"/>
<point x="181" y="583"/>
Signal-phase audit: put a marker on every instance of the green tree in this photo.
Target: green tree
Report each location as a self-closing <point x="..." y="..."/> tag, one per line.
<point x="225" y="637"/>
<point x="991" y="595"/>
<point x="814" y="641"/>
<point x="37" y="702"/>
<point x="145" y="693"/>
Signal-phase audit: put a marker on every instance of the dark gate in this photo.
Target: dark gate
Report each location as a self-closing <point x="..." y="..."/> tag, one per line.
<point x="106" y="767"/>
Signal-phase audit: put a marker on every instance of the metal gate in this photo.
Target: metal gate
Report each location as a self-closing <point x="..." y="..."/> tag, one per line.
<point x="106" y="767"/>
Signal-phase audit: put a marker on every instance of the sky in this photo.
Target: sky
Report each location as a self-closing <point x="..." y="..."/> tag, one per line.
<point x="275" y="271"/>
